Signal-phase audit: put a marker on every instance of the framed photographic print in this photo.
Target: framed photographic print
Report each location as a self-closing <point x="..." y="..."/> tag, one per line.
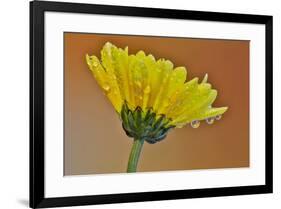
<point x="135" y="104"/>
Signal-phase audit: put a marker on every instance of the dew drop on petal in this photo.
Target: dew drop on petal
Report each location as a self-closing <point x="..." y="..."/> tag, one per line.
<point x="95" y="64"/>
<point x="218" y="117"/>
<point x="106" y="88"/>
<point x="195" y="124"/>
<point x="138" y="84"/>
<point x="166" y="104"/>
<point x="210" y="120"/>
<point x="180" y="125"/>
<point x="146" y="90"/>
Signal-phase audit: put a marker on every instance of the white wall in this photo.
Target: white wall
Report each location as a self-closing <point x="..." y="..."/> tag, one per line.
<point x="14" y="56"/>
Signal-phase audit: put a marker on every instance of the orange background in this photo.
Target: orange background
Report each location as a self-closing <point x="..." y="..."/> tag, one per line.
<point x="94" y="141"/>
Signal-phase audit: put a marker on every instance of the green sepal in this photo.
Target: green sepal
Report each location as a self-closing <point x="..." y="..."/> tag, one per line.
<point x="144" y="126"/>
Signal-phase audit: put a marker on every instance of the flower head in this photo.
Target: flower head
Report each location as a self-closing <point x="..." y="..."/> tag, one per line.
<point x="151" y="96"/>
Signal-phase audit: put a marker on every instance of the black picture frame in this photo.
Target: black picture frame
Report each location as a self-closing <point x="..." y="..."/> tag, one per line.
<point x="37" y="196"/>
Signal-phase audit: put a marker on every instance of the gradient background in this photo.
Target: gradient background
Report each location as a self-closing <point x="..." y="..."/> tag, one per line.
<point x="94" y="141"/>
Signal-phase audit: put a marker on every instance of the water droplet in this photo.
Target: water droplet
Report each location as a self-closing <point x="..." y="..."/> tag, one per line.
<point x="195" y="124"/>
<point x="166" y="104"/>
<point x="180" y="125"/>
<point x="138" y="84"/>
<point x="95" y="64"/>
<point x="210" y="120"/>
<point x="106" y="88"/>
<point x="218" y="117"/>
<point x="146" y="90"/>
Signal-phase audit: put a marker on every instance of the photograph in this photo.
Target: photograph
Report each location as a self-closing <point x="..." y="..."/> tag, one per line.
<point x="150" y="104"/>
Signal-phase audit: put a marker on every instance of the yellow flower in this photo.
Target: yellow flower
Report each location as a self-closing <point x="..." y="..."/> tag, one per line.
<point x="151" y="96"/>
<point x="144" y="82"/>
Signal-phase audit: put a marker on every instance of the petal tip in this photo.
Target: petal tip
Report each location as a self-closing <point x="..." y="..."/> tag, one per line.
<point x="205" y="79"/>
<point x="225" y="109"/>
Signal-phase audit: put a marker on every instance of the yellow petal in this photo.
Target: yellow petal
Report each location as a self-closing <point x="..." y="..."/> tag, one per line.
<point x="106" y="81"/>
<point x="166" y="69"/>
<point x="184" y="96"/>
<point x="175" y="82"/>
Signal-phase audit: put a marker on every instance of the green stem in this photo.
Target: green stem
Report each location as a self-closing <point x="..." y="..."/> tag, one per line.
<point x="134" y="155"/>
